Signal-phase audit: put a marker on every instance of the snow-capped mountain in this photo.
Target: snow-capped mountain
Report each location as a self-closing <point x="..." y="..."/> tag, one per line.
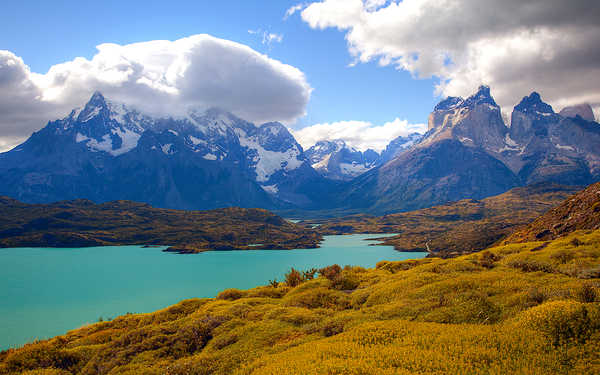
<point x="338" y="161"/>
<point x="207" y="159"/>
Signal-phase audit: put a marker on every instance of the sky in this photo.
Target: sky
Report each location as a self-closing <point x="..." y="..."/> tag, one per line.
<point x="362" y="70"/>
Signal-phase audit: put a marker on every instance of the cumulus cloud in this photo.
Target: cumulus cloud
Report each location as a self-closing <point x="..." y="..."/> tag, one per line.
<point x="514" y="46"/>
<point x="359" y="134"/>
<point x="159" y="77"/>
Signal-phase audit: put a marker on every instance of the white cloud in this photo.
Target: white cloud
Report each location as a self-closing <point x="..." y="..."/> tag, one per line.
<point x="268" y="38"/>
<point x="159" y="77"/>
<point x="293" y="9"/>
<point x="359" y="134"/>
<point x="514" y="46"/>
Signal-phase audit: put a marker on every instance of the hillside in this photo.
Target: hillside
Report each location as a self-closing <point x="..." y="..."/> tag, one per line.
<point x="458" y="227"/>
<point x="582" y="211"/>
<point x="513" y="309"/>
<point x="83" y="223"/>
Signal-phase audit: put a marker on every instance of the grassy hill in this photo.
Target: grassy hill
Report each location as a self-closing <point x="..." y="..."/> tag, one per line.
<point x="517" y="308"/>
<point x="82" y="223"/>
<point x="458" y="227"/>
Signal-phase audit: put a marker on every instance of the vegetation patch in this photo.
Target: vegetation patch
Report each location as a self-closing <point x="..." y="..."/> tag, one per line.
<point x="478" y="313"/>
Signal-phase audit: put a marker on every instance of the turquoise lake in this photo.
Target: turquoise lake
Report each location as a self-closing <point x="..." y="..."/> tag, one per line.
<point x="47" y="292"/>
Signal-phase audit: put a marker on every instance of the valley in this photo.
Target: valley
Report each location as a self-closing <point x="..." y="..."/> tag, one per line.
<point x="455" y="228"/>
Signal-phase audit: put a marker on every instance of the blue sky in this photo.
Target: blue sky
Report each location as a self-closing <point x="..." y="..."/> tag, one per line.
<point x="59" y="31"/>
<point x="359" y="57"/>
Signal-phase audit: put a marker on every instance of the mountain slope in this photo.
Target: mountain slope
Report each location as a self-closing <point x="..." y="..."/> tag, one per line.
<point x="425" y="176"/>
<point x="579" y="212"/>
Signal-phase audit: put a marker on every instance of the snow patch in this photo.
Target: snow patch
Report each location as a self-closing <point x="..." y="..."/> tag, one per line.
<point x="91" y="115"/>
<point x="196" y="141"/>
<point x="173" y="132"/>
<point x="210" y="157"/>
<point x="167" y="149"/>
<point x="269" y="162"/>
<point x="323" y="163"/>
<point x="129" y="141"/>
<point x="509" y="141"/>
<point x="560" y="147"/>
<point x="271" y="189"/>
<point x="354" y="169"/>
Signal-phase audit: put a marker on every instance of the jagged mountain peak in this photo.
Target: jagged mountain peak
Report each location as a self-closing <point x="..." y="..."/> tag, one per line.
<point x="450" y="102"/>
<point x="337" y="160"/>
<point x="482" y="96"/>
<point x="534" y="104"/>
<point x="95" y="106"/>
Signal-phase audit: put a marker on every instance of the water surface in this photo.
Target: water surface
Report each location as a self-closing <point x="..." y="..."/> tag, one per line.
<point x="46" y="292"/>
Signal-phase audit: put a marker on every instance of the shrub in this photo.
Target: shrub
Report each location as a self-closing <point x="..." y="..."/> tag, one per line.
<point x="589" y="273"/>
<point x="332" y="328"/>
<point x="560" y="321"/>
<point x="576" y="242"/>
<point x="293" y="278"/>
<point x="394" y="267"/>
<point x="231" y="294"/>
<point x="530" y="265"/>
<point x="536" y="296"/>
<point x="586" y="293"/>
<point x="562" y="256"/>
<point x="309" y="274"/>
<point x="320" y="297"/>
<point x="274" y="283"/>
<point x="223" y="341"/>
<point x="345" y="281"/>
<point x="487" y="259"/>
<point x="330" y="272"/>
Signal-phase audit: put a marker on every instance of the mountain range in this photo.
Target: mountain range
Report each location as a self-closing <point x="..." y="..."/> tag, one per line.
<point x="469" y="152"/>
<point x="209" y="159"/>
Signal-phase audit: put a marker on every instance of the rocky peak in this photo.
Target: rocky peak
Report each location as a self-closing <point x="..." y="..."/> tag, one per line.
<point x="533" y="104"/>
<point x="476" y="121"/>
<point x="582" y="110"/>
<point x="482" y="96"/>
<point x="450" y="102"/>
<point x="95" y="106"/>
<point x="531" y="119"/>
